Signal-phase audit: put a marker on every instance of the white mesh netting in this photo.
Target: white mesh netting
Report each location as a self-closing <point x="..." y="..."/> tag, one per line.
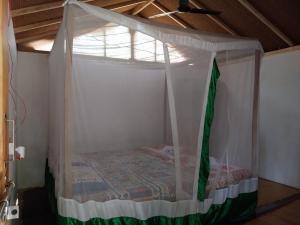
<point x="127" y="108"/>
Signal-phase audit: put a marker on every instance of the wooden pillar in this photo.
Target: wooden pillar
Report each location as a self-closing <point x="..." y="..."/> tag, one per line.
<point x="4" y="70"/>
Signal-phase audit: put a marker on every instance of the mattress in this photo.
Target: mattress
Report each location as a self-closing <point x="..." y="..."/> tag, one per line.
<point x="140" y="175"/>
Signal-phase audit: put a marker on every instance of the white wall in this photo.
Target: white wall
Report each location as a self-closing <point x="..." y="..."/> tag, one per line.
<point x="122" y="108"/>
<point x="32" y="85"/>
<point x="280" y="118"/>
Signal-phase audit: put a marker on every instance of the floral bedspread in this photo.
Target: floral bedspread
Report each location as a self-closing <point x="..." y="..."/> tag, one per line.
<point x="140" y="175"/>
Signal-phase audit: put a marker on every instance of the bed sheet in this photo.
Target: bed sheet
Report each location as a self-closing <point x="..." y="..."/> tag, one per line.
<point x="132" y="175"/>
<point x="140" y="175"/>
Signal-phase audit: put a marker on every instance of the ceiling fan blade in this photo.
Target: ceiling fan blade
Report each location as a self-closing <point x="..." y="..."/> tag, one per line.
<point x="183" y="3"/>
<point x="163" y="14"/>
<point x="184" y="7"/>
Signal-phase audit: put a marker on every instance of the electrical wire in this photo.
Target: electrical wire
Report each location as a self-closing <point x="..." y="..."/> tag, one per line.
<point x="12" y="90"/>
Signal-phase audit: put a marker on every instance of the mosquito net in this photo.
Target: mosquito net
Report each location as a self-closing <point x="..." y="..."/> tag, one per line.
<point x="143" y="112"/>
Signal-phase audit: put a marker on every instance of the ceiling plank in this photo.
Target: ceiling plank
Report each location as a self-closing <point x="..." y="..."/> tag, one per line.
<point x="40" y="8"/>
<point x="120" y="6"/>
<point x="179" y="21"/>
<point x="36" y="37"/>
<point x="219" y="22"/>
<point x="37" y="25"/>
<point x="152" y="10"/>
<point x="114" y="7"/>
<point x="141" y="7"/>
<point x="265" y="21"/>
<point x="59" y="4"/>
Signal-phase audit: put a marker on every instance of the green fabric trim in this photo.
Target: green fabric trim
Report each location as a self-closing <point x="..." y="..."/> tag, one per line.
<point x="209" y="114"/>
<point x="233" y="210"/>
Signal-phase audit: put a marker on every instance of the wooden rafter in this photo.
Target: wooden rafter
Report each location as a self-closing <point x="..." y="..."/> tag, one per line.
<point x="37" y="25"/>
<point x="36" y="37"/>
<point x="220" y="23"/>
<point x="268" y="23"/>
<point x="120" y="6"/>
<point x="114" y="7"/>
<point x="141" y="7"/>
<point x="59" y="4"/>
<point x="39" y="8"/>
<point x="175" y="18"/>
<point x="282" y="51"/>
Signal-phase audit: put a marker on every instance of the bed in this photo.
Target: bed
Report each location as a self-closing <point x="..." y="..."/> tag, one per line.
<point x="140" y="175"/>
<point x="101" y="105"/>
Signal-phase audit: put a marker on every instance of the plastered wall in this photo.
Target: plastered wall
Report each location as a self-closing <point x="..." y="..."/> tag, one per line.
<point x="31" y="83"/>
<point x="280" y="118"/>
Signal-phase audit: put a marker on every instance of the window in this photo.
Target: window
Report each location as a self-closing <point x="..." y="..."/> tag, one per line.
<point x="116" y="41"/>
<point x="144" y="47"/>
<point x="89" y="44"/>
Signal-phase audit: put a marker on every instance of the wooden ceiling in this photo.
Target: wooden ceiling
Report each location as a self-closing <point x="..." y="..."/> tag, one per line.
<point x="274" y="22"/>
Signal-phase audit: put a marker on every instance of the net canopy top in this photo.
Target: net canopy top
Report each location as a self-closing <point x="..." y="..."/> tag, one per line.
<point x="169" y="34"/>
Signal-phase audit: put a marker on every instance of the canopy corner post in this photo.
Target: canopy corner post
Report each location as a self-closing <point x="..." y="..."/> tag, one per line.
<point x="255" y="113"/>
<point x="69" y="30"/>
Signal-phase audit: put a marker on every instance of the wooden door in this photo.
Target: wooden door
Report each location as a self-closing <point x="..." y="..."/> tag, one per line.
<point x="4" y="68"/>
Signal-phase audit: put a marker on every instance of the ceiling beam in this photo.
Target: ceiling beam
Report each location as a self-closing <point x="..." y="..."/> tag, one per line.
<point x="264" y="20"/>
<point x="39" y="8"/>
<point x="37" y="25"/>
<point x="122" y="5"/>
<point x="56" y="5"/>
<point x="175" y="18"/>
<point x="114" y="7"/>
<point x="36" y="37"/>
<point x="215" y="19"/>
<point x="141" y="7"/>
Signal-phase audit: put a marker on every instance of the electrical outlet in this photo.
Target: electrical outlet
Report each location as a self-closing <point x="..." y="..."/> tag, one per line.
<point x="12" y="212"/>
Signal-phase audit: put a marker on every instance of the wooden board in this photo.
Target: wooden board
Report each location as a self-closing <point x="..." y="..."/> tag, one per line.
<point x="281" y="15"/>
<point x="3" y="93"/>
<point x="269" y="192"/>
<point x="286" y="215"/>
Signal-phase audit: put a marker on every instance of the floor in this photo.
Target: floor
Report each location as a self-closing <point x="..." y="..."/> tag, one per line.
<point x="270" y="192"/>
<point x="35" y="208"/>
<point x="286" y="215"/>
<point x="278" y="205"/>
